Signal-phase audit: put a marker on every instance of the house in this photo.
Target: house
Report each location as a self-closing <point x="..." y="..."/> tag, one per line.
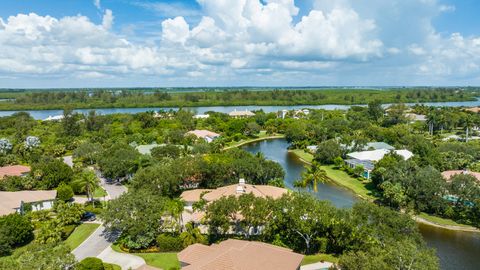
<point x="11" y="202"/>
<point x="473" y="109"/>
<point x="201" y="116"/>
<point x="210" y="195"/>
<point x="413" y="117"/>
<point x="239" y="254"/>
<point x="54" y="118"/>
<point x="367" y="159"/>
<point x="14" y="170"/>
<point x="240" y="114"/>
<point x="377" y="146"/>
<point x="312" y="148"/>
<point x="207" y="135"/>
<point x="449" y="174"/>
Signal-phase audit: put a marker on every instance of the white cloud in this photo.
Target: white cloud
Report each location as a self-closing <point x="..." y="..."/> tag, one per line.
<point x="248" y="42"/>
<point x="107" y="20"/>
<point x="97" y="4"/>
<point x="175" y="30"/>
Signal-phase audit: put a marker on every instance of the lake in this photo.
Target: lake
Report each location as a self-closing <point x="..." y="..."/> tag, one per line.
<point x="456" y="250"/>
<point x="43" y="114"/>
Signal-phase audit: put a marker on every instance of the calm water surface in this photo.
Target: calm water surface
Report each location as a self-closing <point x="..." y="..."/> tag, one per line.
<point x="456" y="250"/>
<point x="43" y="114"/>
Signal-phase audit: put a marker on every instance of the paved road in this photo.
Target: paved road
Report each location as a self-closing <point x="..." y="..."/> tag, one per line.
<point x="97" y="242"/>
<point x="114" y="190"/>
<point x="126" y="261"/>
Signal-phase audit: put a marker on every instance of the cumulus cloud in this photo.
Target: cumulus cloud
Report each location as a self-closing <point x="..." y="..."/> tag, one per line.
<point x="265" y="40"/>
<point x="107" y="20"/>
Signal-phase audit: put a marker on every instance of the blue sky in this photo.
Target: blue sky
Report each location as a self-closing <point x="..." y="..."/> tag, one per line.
<point x="98" y="43"/>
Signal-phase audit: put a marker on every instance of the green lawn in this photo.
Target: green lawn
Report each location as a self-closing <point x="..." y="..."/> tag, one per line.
<point x="309" y="259"/>
<point x="109" y="266"/>
<point x="307" y="157"/>
<point x="441" y="221"/>
<point x="99" y="193"/>
<point x="80" y="234"/>
<point x="165" y="260"/>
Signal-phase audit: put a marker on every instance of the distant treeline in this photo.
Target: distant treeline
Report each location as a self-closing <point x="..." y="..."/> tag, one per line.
<point x="46" y="99"/>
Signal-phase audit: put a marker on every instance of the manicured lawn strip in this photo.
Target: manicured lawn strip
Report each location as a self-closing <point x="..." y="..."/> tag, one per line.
<point x="261" y="136"/>
<point x="306" y="157"/>
<point x="165" y="260"/>
<point x="441" y="221"/>
<point x="309" y="259"/>
<point x="342" y="178"/>
<point x="80" y="234"/>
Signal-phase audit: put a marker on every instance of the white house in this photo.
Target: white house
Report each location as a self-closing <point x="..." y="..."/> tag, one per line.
<point x="11" y="202"/>
<point x="367" y="159"/>
<point x="207" y="135"/>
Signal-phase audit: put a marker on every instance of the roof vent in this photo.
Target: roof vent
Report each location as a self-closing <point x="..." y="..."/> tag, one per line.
<point x="240" y="189"/>
<point x="241" y="181"/>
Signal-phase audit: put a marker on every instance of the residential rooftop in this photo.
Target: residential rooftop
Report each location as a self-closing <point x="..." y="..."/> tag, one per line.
<point x="376" y="155"/>
<point x="14" y="170"/>
<point x="449" y="174"/>
<point x="262" y="191"/>
<point x="239" y="254"/>
<point x="11" y="201"/>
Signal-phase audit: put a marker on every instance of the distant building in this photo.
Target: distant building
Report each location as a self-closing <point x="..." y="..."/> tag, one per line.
<point x="11" y="202"/>
<point x="14" y="170"/>
<point x="240" y="114"/>
<point x="54" y="118"/>
<point x="207" y="135"/>
<point x="239" y="254"/>
<point x="367" y="159"/>
<point x="378" y="146"/>
<point x="449" y="174"/>
<point x="416" y="117"/>
<point x="312" y="148"/>
<point x="201" y="116"/>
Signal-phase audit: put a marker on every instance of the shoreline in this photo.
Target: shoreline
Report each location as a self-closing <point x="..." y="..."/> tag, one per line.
<point x="417" y="218"/>
<point x="278" y="136"/>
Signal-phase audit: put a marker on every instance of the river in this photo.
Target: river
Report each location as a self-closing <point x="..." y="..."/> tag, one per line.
<point x="43" y="114"/>
<point x="456" y="250"/>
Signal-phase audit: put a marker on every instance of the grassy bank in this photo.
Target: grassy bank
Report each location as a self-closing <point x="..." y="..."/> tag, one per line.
<point x="80" y="234"/>
<point x="362" y="189"/>
<point x="261" y="136"/>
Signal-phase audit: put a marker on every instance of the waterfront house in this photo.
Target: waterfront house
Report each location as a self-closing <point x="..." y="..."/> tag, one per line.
<point x="14" y="202"/>
<point x="239" y="254"/>
<point x="367" y="159"/>
<point x="447" y="175"/>
<point x="241" y="114"/>
<point x="207" y="135"/>
<point x="14" y="170"/>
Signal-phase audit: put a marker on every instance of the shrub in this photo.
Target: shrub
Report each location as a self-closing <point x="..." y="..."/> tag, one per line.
<point x="67" y="230"/>
<point x="64" y="192"/>
<point x="17" y="228"/>
<point x="167" y="243"/>
<point x="90" y="263"/>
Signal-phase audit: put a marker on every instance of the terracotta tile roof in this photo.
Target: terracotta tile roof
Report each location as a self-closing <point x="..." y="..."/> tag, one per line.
<point x="239" y="255"/>
<point x="201" y="133"/>
<point x="14" y="170"/>
<point x="449" y="174"/>
<point x="473" y="109"/>
<point x="147" y="267"/>
<point x="193" y="195"/>
<point x="262" y="191"/>
<point x="9" y="201"/>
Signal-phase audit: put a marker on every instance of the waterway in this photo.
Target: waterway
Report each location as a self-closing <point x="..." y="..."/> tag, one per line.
<point x="456" y="250"/>
<point x="43" y="114"/>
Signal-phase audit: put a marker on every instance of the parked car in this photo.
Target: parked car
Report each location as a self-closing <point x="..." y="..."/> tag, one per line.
<point x="89" y="216"/>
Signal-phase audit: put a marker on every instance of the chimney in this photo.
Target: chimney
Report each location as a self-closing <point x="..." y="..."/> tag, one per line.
<point x="241" y="181"/>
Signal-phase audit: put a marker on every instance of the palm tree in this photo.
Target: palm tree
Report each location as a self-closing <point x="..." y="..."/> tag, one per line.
<point x="312" y="176"/>
<point x="175" y="209"/>
<point x="88" y="182"/>
<point x="191" y="235"/>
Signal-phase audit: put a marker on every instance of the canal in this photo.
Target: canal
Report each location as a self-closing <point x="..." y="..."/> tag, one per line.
<point x="456" y="250"/>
